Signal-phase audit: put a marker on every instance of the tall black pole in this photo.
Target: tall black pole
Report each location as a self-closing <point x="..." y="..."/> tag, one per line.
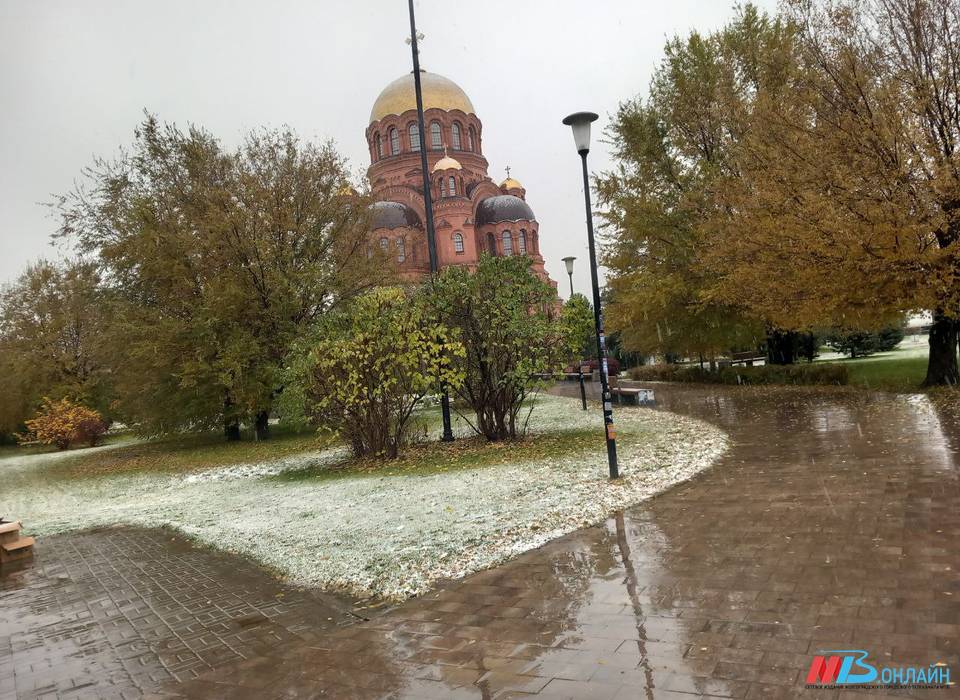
<point x="570" y="275"/>
<point x="427" y="198"/>
<point x="601" y="340"/>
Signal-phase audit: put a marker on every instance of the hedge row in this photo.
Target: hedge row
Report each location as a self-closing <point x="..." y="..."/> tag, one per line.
<point x="807" y="373"/>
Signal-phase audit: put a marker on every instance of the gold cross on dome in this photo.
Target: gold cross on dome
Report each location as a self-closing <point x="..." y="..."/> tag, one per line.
<point x="508" y="170"/>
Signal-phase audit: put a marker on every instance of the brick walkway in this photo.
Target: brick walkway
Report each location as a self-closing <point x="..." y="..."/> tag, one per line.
<point x="117" y="612"/>
<point x="832" y="523"/>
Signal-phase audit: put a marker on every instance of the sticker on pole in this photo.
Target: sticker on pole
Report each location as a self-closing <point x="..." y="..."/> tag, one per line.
<point x="611" y="432"/>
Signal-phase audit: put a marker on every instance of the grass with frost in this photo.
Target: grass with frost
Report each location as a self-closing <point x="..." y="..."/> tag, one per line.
<point x="322" y="519"/>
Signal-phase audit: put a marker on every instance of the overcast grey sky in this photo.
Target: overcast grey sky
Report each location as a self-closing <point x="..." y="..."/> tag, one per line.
<point x="76" y="75"/>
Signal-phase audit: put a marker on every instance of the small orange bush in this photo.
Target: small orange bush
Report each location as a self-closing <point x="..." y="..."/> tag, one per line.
<point x="63" y="423"/>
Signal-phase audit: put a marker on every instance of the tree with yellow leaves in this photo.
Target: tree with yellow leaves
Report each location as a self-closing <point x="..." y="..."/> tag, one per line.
<point x="844" y="208"/>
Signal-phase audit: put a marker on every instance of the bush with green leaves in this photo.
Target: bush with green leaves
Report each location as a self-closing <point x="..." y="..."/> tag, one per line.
<point x="506" y="319"/>
<point x="804" y="374"/>
<point x="579" y="331"/>
<point x="864" y="343"/>
<point x="368" y="366"/>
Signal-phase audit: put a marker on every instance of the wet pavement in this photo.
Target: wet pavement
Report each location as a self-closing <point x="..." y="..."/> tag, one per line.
<point x="831" y="523"/>
<point x="118" y="612"/>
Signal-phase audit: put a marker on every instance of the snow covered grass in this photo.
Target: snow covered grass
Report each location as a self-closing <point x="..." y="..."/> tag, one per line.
<point x="394" y="532"/>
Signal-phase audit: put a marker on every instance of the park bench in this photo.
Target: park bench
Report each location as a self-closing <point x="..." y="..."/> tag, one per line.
<point x="12" y="545"/>
<point x="634" y="396"/>
<point x="746" y="358"/>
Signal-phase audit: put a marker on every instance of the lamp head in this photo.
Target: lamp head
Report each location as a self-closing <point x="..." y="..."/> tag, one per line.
<point x="568" y="261"/>
<point x="580" y="123"/>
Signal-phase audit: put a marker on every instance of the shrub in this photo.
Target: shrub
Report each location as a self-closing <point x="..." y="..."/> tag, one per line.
<point x="807" y="373"/>
<point x="504" y="315"/>
<point x="864" y="343"/>
<point x="367" y="369"/>
<point x="63" y="423"/>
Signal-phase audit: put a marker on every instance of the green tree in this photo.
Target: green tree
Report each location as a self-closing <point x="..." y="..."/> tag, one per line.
<point x="658" y="201"/>
<point x="50" y="321"/>
<point x="505" y="317"/>
<point x="368" y="366"/>
<point x="860" y="343"/>
<point x="579" y="331"/>
<point x="214" y="262"/>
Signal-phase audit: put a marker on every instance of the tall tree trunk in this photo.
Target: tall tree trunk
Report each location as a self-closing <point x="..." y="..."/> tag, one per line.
<point x="231" y="430"/>
<point x="781" y="347"/>
<point x="261" y="426"/>
<point x="231" y="424"/>
<point x="942" y="363"/>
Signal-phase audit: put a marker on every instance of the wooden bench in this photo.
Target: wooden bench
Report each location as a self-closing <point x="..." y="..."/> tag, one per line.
<point x="633" y="396"/>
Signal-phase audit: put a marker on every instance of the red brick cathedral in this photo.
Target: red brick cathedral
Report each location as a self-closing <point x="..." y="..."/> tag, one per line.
<point x="472" y="214"/>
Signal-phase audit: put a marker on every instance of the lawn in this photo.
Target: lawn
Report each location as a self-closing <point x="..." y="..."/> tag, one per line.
<point x="902" y="369"/>
<point x="307" y="510"/>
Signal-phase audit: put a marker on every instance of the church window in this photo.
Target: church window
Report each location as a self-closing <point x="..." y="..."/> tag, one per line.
<point x="443" y="192"/>
<point x="414" y="137"/>
<point x="458" y="243"/>
<point x="471" y="139"/>
<point x="394" y="142"/>
<point x="492" y="244"/>
<point x="384" y="243"/>
<point x="436" y="136"/>
<point x="452" y="187"/>
<point x="401" y="250"/>
<point x="522" y="243"/>
<point x="456" y="136"/>
<point x="379" y="146"/>
<point x="507" y="243"/>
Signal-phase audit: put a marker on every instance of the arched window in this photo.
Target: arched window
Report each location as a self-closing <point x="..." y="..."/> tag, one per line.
<point x="384" y="244"/>
<point x="455" y="130"/>
<point x="378" y="146"/>
<point x="443" y="192"/>
<point x="401" y="250"/>
<point x="452" y="186"/>
<point x="436" y="136"/>
<point x="414" y="137"/>
<point x="458" y="243"/>
<point x="492" y="244"/>
<point x="471" y="139"/>
<point x="507" y="243"/>
<point x="522" y="243"/>
<point x="394" y="142"/>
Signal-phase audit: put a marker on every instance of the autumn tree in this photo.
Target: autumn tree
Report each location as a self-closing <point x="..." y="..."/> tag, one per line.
<point x="214" y="261"/>
<point x="844" y="209"/>
<point x="504" y="316"/>
<point x="657" y="202"/>
<point x="367" y="367"/>
<point x="50" y="320"/>
<point x="63" y="423"/>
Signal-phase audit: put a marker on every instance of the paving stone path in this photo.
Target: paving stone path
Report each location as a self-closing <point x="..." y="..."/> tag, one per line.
<point x="832" y="523"/>
<point x="117" y="612"/>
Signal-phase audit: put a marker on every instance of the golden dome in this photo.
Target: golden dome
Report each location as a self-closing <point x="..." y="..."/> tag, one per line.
<point x="511" y="184"/>
<point x="438" y="92"/>
<point x="446" y="163"/>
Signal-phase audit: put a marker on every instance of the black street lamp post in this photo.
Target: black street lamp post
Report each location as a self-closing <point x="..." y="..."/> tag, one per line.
<point x="580" y="123"/>
<point x="427" y="199"/>
<point x="568" y="261"/>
